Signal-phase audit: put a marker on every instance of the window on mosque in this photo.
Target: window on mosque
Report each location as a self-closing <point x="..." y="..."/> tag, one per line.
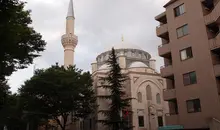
<point x="141" y="121"/>
<point x="158" y="98"/>
<point x="139" y="95"/>
<point x="148" y="91"/>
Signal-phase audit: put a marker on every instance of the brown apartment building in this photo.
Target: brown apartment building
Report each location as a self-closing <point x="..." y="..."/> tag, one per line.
<point x="189" y="30"/>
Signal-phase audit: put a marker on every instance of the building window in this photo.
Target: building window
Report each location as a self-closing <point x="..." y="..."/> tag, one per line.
<point x="158" y="98"/>
<point x="193" y="106"/>
<point x="139" y="95"/>
<point x="182" y="31"/>
<point x="141" y="121"/>
<point x="179" y="10"/>
<point x="186" y="54"/>
<point x="148" y="91"/>
<point x="189" y="78"/>
<point x="160" y="121"/>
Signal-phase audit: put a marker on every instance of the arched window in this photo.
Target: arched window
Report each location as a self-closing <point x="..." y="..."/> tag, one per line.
<point x="139" y="96"/>
<point x="158" y="98"/>
<point x="148" y="92"/>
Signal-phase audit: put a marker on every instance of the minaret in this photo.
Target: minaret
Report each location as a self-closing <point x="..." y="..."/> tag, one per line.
<point x="69" y="40"/>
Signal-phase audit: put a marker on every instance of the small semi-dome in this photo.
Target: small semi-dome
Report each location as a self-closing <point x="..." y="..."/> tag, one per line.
<point x="104" y="67"/>
<point x="137" y="64"/>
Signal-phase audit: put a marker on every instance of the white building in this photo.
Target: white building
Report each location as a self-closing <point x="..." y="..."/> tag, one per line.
<point x="145" y="84"/>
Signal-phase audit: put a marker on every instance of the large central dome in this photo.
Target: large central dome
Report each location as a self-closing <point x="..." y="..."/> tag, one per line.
<point x="123" y="45"/>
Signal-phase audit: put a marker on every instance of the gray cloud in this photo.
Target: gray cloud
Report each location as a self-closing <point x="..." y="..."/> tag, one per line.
<point x="99" y="24"/>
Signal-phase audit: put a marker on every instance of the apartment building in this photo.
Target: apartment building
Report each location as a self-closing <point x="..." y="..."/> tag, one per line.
<point x="189" y="30"/>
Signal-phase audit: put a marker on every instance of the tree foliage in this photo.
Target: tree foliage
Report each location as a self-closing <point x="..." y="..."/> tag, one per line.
<point x="119" y="102"/>
<point x="11" y="114"/>
<point x="59" y="92"/>
<point x="19" y="43"/>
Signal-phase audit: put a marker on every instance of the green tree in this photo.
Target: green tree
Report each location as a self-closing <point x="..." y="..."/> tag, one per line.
<point x="11" y="114"/>
<point x="114" y="83"/>
<point x="19" y="43"/>
<point x="59" y="92"/>
<point x="4" y="93"/>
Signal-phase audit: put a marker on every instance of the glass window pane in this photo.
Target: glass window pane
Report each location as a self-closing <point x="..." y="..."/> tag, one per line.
<point x="179" y="32"/>
<point x="139" y="97"/>
<point x="186" y="79"/>
<point x="197" y="105"/>
<point x="193" y="78"/>
<point x="190" y="106"/>
<point x="185" y="30"/>
<point x="158" y="98"/>
<point x="141" y="121"/>
<point x="148" y="91"/>
<point x="182" y="9"/>
<point x="189" y="52"/>
<point x="183" y="55"/>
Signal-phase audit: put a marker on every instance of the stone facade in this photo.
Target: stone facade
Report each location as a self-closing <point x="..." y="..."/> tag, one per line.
<point x="144" y="84"/>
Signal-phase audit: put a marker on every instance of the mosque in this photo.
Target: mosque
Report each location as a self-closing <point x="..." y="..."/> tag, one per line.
<point x="145" y="84"/>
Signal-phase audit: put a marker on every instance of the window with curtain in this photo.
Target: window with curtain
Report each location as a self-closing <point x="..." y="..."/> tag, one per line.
<point x="179" y="10"/>
<point x="139" y="95"/>
<point x="158" y="98"/>
<point x="189" y="78"/>
<point x="186" y="53"/>
<point x="148" y="92"/>
<point x="182" y="31"/>
<point x="193" y="106"/>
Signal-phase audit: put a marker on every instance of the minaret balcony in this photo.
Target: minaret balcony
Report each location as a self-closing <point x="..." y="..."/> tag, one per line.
<point x="69" y="39"/>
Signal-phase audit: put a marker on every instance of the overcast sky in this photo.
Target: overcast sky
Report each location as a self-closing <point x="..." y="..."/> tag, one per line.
<point x="99" y="23"/>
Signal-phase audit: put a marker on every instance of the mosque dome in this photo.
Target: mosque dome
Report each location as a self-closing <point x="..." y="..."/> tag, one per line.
<point x="130" y="51"/>
<point x="104" y="67"/>
<point x="137" y="64"/>
<point x="123" y="45"/>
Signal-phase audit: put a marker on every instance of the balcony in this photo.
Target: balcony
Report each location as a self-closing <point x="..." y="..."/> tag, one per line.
<point x="162" y="18"/>
<point x="163" y="50"/>
<point x="166" y="71"/>
<point x="162" y="30"/>
<point x="169" y="94"/>
<point x="217" y="70"/>
<point x="172" y="119"/>
<point x="214" y="43"/>
<point x="214" y="15"/>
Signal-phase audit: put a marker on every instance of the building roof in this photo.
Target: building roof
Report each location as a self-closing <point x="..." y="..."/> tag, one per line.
<point x="169" y="3"/>
<point x="70" y="9"/>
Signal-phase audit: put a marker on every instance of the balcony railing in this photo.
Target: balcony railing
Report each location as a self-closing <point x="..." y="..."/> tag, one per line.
<point x="214" y="15"/>
<point x="166" y="71"/>
<point x="217" y="70"/>
<point x="162" y="29"/>
<point x="164" y="49"/>
<point x="172" y="118"/>
<point x="215" y="42"/>
<point x="169" y="94"/>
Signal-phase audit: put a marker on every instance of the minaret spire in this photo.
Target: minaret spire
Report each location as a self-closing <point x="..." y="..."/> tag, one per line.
<point x="70" y="10"/>
<point x="69" y="40"/>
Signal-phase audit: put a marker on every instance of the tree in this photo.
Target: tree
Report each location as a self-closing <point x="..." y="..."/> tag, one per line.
<point x="4" y="93"/>
<point x="59" y="92"/>
<point x="114" y="83"/>
<point x="19" y="43"/>
<point x="11" y="114"/>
